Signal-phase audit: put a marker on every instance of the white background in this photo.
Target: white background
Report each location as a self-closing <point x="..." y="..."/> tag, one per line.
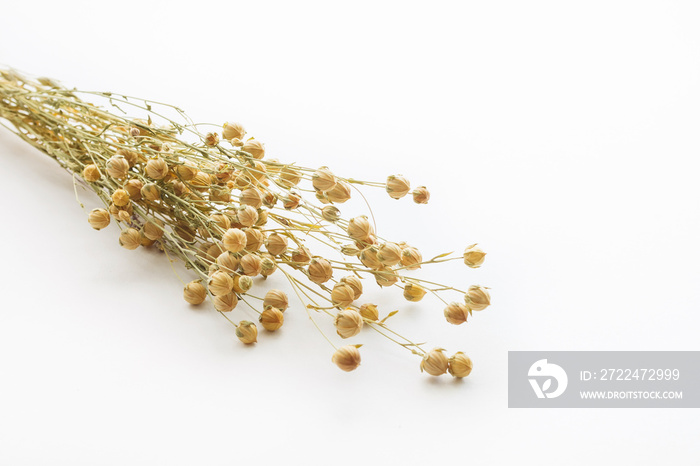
<point x="561" y="136"/>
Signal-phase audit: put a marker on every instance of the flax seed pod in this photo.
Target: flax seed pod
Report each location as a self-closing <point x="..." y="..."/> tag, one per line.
<point x="348" y="323"/>
<point x="359" y="228"/>
<point x="220" y="283"/>
<point x="322" y="197"/>
<point x="145" y="242"/>
<point x="340" y="193"/>
<point x="150" y="192"/>
<point x="434" y="362"/>
<point x="252" y="197"/>
<point x="131" y="157"/>
<point x="276" y="244"/>
<point x="130" y="238"/>
<point x="242" y="284"/>
<point x="156" y="168"/>
<point x="342" y="295"/>
<point x="91" y="173"/>
<point x="247" y="216"/>
<point x="232" y="131"/>
<point x="389" y="254"/>
<point x="320" y="270"/>
<point x="421" y="195"/>
<point x="397" y="186"/>
<point x="221" y="221"/>
<point x="268" y="265"/>
<point x="256" y="171"/>
<point x="385" y="276"/>
<point x="277" y="299"/>
<point x="227" y="262"/>
<point x="186" y="171"/>
<point x="219" y="194"/>
<point x="247" y="332"/>
<point x="255" y="148"/>
<point x="117" y="167"/>
<point x="153" y="229"/>
<point x="255" y="238"/>
<point x="195" y="293"/>
<point x="289" y="177"/>
<point x="350" y="250"/>
<point x="456" y="313"/>
<point x="474" y="256"/>
<point x="225" y="303"/>
<point x="214" y="251"/>
<point x="323" y="179"/>
<point x="301" y="256"/>
<point x="201" y="181"/>
<point x="291" y="201"/>
<point x="133" y="187"/>
<point x="460" y="365"/>
<point x="180" y="189"/>
<point x="251" y="265"/>
<point x="411" y="258"/>
<point x="234" y="240"/>
<point x="211" y="139"/>
<point x="271" y="319"/>
<point x="98" y="218"/>
<point x="413" y="292"/>
<point x="355" y="283"/>
<point x="330" y="213"/>
<point x="477" y="298"/>
<point x="347" y="358"/>
<point x="369" y="258"/>
<point x="269" y="199"/>
<point x="369" y="312"/>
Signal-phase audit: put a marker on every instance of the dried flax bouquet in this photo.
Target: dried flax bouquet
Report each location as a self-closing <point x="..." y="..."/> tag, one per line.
<point x="215" y="202"/>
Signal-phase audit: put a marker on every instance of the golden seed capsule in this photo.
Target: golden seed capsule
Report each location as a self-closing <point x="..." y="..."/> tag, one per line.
<point x="411" y="258"/>
<point x="421" y="195"/>
<point x="474" y="256"/>
<point x="150" y="192"/>
<point x="227" y="262"/>
<point x="156" y="168"/>
<point x="323" y="179"/>
<point x="413" y="292"/>
<point x="330" y="213"/>
<point x="252" y="197"/>
<point x="389" y="254"/>
<point x="277" y="299"/>
<point x="477" y="298"/>
<point x="255" y="238"/>
<point x="434" y="362"/>
<point x="347" y="358"/>
<point x="355" y="283"/>
<point x="342" y="295"/>
<point x="301" y="256"/>
<point x="456" y="313"/>
<point x="98" y="218"/>
<point x="195" y="293"/>
<point x="133" y="187"/>
<point x="247" y="332"/>
<point x="247" y="216"/>
<point x="254" y="148"/>
<point x="153" y="229"/>
<point x="145" y="242"/>
<point x="234" y="240"/>
<point x="120" y="197"/>
<point x="350" y="250"/>
<point x="225" y="303"/>
<point x="251" y="265"/>
<point x="348" y="323"/>
<point x="289" y="177"/>
<point x="220" y="283"/>
<point x="186" y="171"/>
<point x="385" y="277"/>
<point x="369" y="258"/>
<point x="271" y="319"/>
<point x="268" y="266"/>
<point x="397" y="186"/>
<point x="320" y="270"/>
<point x="369" y="311"/>
<point x="91" y="173"/>
<point x="242" y="283"/>
<point x="276" y="244"/>
<point x="117" y="167"/>
<point x="232" y="131"/>
<point x="221" y="220"/>
<point x="340" y="193"/>
<point x="201" y="181"/>
<point x="291" y="201"/>
<point x="360" y="229"/>
<point x="130" y="156"/>
<point x="211" y="139"/>
<point x="130" y="238"/>
<point x="460" y="365"/>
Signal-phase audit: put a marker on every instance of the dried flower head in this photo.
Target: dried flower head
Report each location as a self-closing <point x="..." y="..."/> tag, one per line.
<point x="117" y="167"/>
<point x="234" y="240"/>
<point x="342" y="295"/>
<point x="276" y="244"/>
<point x="397" y="186"/>
<point x="291" y="201"/>
<point x="211" y="139"/>
<point x="474" y="256"/>
<point x="320" y="270"/>
<point x="220" y="283"/>
<point x="477" y="298"/>
<point x="277" y="299"/>
<point x="271" y="319"/>
<point x="369" y="311"/>
<point x="156" y="168"/>
<point x="355" y="283"/>
<point x="411" y="258"/>
<point x="347" y="358"/>
<point x="389" y="254"/>
<point x="247" y="332"/>
<point x="255" y="148"/>
<point x="456" y="313"/>
<point x="421" y="195"/>
<point x="226" y="303"/>
<point x="232" y="131"/>
<point x="195" y="293"/>
<point x="91" y="173"/>
<point x="98" y="218"/>
<point x="130" y="238"/>
<point x="413" y="292"/>
<point x="348" y="323"/>
<point x="434" y="362"/>
<point x="460" y="365"/>
<point x="323" y="179"/>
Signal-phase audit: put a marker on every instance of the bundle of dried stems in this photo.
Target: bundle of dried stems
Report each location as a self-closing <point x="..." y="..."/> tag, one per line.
<point x="216" y="203"/>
